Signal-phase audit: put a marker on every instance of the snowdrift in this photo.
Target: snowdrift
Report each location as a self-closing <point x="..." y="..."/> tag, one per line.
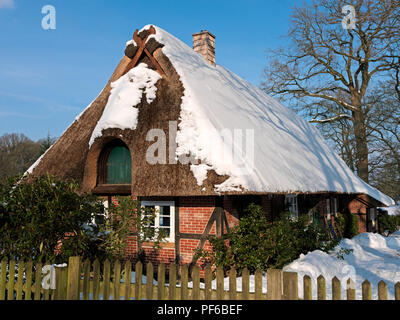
<point x="373" y="257"/>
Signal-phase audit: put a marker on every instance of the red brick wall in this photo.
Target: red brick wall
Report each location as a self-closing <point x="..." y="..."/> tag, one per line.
<point x="131" y="249"/>
<point x="194" y="213"/>
<point x="266" y="204"/>
<point x="360" y="209"/>
<point x="232" y="216"/>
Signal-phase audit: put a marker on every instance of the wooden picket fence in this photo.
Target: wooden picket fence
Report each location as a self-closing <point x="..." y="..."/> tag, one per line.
<point x="86" y="281"/>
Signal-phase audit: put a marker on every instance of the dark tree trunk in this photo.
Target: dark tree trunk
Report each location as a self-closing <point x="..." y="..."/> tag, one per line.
<point x="361" y="144"/>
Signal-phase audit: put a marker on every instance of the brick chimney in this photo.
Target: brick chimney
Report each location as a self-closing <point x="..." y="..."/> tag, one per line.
<point x="204" y="43"/>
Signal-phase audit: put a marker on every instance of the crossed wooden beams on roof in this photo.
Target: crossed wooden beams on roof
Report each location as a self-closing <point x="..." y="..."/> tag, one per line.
<point x="141" y="43"/>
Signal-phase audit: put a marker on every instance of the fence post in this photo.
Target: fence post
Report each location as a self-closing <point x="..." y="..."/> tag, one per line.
<point x="245" y="284"/>
<point x="290" y="286"/>
<point x="321" y="288"/>
<point x="149" y="281"/>
<point x="138" y="280"/>
<point x="172" y="281"/>
<point x="21" y="266"/>
<point x="73" y="278"/>
<point x="207" y="283"/>
<point x="117" y="280"/>
<point x="220" y="283"/>
<point x="106" y="279"/>
<point x="127" y="280"/>
<point x="397" y="291"/>
<point x="10" y="284"/>
<point x="336" y="289"/>
<point x="96" y="279"/>
<point x="161" y="282"/>
<point x="61" y="288"/>
<point x="196" y="282"/>
<point x="274" y="284"/>
<point x="28" y="282"/>
<point x="86" y="279"/>
<point x="382" y="290"/>
<point x="46" y="292"/>
<point x="232" y="284"/>
<point x="351" y="291"/>
<point x="307" y="293"/>
<point x="184" y="282"/>
<point x="3" y="277"/>
<point x="366" y="290"/>
<point x="38" y="281"/>
<point x="258" y="284"/>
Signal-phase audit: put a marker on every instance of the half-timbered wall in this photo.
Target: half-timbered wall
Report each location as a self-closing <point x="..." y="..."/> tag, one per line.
<point x="198" y="217"/>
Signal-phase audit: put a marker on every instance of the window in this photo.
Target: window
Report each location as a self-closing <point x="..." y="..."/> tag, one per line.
<point x="291" y="205"/>
<point x="328" y="208"/>
<point x="372" y="216"/>
<point x="165" y="217"/>
<point x="119" y="166"/>
<point x="334" y="207"/>
<point x="115" y="164"/>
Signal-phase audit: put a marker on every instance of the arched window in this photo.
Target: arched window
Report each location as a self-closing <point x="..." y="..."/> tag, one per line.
<point x="115" y="164"/>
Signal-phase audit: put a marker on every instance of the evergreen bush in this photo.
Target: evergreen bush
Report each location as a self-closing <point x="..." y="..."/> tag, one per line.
<point x="47" y="219"/>
<point x="258" y="244"/>
<point x="347" y="224"/>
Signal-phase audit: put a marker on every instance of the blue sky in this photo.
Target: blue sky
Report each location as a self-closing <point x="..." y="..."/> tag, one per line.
<point x="47" y="77"/>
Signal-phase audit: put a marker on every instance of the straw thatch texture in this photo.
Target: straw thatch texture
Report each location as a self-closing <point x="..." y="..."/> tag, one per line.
<point x="70" y="157"/>
<point x="66" y="158"/>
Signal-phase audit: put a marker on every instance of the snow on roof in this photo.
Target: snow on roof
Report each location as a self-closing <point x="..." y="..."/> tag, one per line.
<point x="282" y="153"/>
<point x="126" y="93"/>
<point x="392" y="210"/>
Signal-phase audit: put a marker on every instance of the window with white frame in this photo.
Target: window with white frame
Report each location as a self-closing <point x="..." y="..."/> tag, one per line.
<point x="291" y="205"/>
<point x="164" y="218"/>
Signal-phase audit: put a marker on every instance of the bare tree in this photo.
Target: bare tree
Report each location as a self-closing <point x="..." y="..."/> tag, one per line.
<point x="330" y="65"/>
<point x="384" y="127"/>
<point x="17" y="154"/>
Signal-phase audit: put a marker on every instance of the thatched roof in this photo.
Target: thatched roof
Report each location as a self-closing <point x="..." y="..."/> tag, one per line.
<point x="170" y="82"/>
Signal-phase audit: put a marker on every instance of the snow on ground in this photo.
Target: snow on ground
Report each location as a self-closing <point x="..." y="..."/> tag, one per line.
<point x="374" y="257"/>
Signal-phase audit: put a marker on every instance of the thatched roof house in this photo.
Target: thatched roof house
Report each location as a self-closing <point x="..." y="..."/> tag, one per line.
<point x="171" y="125"/>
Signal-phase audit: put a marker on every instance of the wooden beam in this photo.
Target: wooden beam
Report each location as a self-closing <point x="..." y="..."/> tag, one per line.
<point x="154" y="62"/>
<point x="142" y="49"/>
<point x="193" y="236"/>
<point x="203" y="237"/>
<point x="177" y="232"/>
<point x="112" y="189"/>
<point x="216" y="216"/>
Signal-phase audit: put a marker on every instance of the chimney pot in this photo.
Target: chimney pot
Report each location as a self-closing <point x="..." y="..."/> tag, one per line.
<point x="204" y="43"/>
